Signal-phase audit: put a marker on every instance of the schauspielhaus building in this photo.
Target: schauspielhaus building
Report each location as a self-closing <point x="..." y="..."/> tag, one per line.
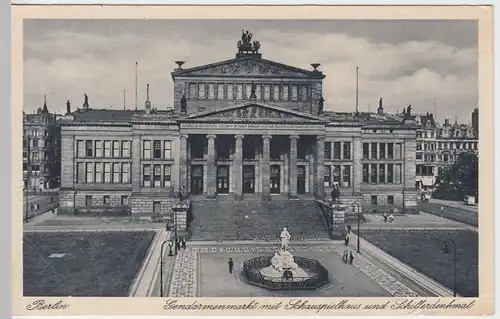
<point x="246" y="127"/>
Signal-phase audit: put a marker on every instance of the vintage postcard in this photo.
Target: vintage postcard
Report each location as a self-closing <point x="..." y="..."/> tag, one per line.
<point x="231" y="160"/>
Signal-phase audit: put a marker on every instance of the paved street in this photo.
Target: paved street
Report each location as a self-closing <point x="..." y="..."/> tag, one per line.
<point x="44" y="203"/>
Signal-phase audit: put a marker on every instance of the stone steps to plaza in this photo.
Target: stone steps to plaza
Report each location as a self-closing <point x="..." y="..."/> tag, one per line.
<point x="256" y="219"/>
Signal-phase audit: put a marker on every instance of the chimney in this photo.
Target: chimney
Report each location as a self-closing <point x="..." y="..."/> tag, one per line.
<point x="147" y="104"/>
<point x="380" y="109"/>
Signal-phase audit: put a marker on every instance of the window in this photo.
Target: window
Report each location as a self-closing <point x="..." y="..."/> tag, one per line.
<point x="336" y="174"/>
<point x="374" y="151"/>
<point x="390" y="170"/>
<point x="373" y="176"/>
<point x="381" y="173"/>
<point x="116" y="173"/>
<point x="267" y="92"/>
<point x="146" y="149"/>
<point x="98" y="148"/>
<point x="125" y="149"/>
<point x="258" y="92"/>
<point x="107" y="172"/>
<point x="89" y="172"/>
<point x="35" y="156"/>
<point x="445" y="157"/>
<point x="366" y="150"/>
<point x="116" y="149"/>
<point x="303" y="93"/>
<point x="327" y="175"/>
<point x="80" y="148"/>
<point x="157" y="149"/>
<point x="98" y="172"/>
<point x="374" y="200"/>
<point x="146" y="175"/>
<point x="397" y="174"/>
<point x="248" y="91"/>
<point x="201" y="91"/>
<point x="347" y="150"/>
<point x="25" y="154"/>
<point x="156" y="207"/>
<point x="398" y="151"/>
<point x="89" y="149"/>
<point x="88" y="200"/>
<point x="167" y="149"/>
<point x="25" y="167"/>
<point x="382" y="150"/>
<point x="390" y="200"/>
<point x="294" y="92"/>
<point x="157" y="176"/>
<point x="336" y="150"/>
<point x="366" y="176"/>
<point x="80" y="173"/>
<point x="284" y="92"/>
<point x="125" y="173"/>
<point x="328" y="150"/>
<point x="419" y="156"/>
<point x="41" y="143"/>
<point x="346" y="176"/>
<point x="106" y="200"/>
<point x="124" y="200"/>
<point x="167" y="176"/>
<point x="107" y="148"/>
<point x="211" y="91"/>
<point x="230" y="94"/>
<point x="193" y="92"/>
<point x="276" y="92"/>
<point x="220" y="91"/>
<point x="239" y="92"/>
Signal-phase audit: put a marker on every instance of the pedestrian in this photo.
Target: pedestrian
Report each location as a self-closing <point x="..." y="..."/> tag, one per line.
<point x="385" y="217"/>
<point x="391" y="218"/>
<point x="346" y="240"/>
<point x="348" y="229"/>
<point x="183" y="243"/>
<point x="178" y="244"/>
<point x="442" y="209"/>
<point x="344" y="257"/>
<point x="231" y="265"/>
<point x="351" y="257"/>
<point x="51" y="200"/>
<point x="53" y="211"/>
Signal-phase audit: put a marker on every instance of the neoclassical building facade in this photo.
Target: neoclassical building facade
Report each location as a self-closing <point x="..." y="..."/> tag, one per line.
<point x="247" y="127"/>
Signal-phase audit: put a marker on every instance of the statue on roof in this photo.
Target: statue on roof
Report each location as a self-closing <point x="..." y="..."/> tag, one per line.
<point x="245" y="45"/>
<point x="86" y="101"/>
<point x="321" y="105"/>
<point x="68" y="107"/>
<point x="256" y="47"/>
<point x="252" y="91"/>
<point x="183" y="104"/>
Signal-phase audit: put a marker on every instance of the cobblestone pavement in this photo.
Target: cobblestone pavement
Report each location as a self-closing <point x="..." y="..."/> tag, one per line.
<point x="184" y="282"/>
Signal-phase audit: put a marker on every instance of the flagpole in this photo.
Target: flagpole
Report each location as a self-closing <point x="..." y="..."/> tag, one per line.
<point x="136" y="85"/>
<point x="357" y="88"/>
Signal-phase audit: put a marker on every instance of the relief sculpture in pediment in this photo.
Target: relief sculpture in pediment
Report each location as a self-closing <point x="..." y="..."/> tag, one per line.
<point x="252" y="112"/>
<point x="245" y="67"/>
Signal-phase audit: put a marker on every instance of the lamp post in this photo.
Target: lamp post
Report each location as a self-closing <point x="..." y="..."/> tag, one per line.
<point x="26" y="201"/>
<point x="179" y="207"/>
<point x="161" y="267"/>
<point x="358" y="213"/>
<point x="447" y="243"/>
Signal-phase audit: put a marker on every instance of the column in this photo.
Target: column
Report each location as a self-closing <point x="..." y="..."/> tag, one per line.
<point x="357" y="167"/>
<point x="385" y="169"/>
<point x="266" y="168"/>
<point x="341" y="156"/>
<point x="320" y="167"/>
<point x="211" y="183"/>
<point x="377" y="145"/>
<point x="370" y="150"/>
<point x="183" y="162"/>
<point x="293" y="166"/>
<point x="136" y="163"/>
<point x="238" y="167"/>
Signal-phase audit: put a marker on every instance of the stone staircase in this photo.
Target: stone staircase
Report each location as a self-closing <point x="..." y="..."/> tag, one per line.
<point x="254" y="219"/>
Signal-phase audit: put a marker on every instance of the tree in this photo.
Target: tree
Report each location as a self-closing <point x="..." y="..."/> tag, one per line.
<point x="460" y="179"/>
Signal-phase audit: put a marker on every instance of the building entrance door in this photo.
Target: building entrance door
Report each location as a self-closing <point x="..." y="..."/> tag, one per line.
<point x="223" y="179"/>
<point x="248" y="179"/>
<point x="275" y="179"/>
<point x="301" y="179"/>
<point x="196" y="179"/>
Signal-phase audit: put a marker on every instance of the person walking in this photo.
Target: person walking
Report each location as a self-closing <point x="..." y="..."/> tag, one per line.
<point x="385" y="217"/>
<point x="345" y="256"/>
<point x="351" y="257"/>
<point x="346" y="240"/>
<point x="348" y="229"/>
<point x="391" y="218"/>
<point x="231" y="265"/>
<point x="178" y="244"/>
<point x="183" y="243"/>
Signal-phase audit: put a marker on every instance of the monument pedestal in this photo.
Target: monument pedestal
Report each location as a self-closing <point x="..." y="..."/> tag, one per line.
<point x="281" y="263"/>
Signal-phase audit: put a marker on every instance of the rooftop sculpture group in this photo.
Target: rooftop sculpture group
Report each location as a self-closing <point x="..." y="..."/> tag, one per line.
<point x="245" y="45"/>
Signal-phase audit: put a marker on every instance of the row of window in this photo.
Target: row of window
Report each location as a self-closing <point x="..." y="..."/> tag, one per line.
<point x="382" y="151"/>
<point x="374" y="200"/>
<point x="422" y="170"/>
<point x="106" y="200"/>
<point x="115" y="173"/>
<point x="91" y="149"/>
<point x="36" y="142"/>
<point x="156" y="176"/>
<point x="382" y="173"/>
<point x="340" y="150"/>
<point x="338" y="175"/>
<point x="36" y="156"/>
<point x="457" y="145"/>
<point x="427" y="158"/>
<point x="35" y="132"/>
<point x="35" y="168"/>
<point x="243" y="91"/>
<point x="159" y="150"/>
<point x="430" y="134"/>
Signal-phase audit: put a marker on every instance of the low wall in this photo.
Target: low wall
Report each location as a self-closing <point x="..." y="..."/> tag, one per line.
<point x="335" y="219"/>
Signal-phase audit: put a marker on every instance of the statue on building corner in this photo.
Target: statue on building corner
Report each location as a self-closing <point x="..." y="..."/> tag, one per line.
<point x="68" y="107"/>
<point x="183" y="104"/>
<point x="321" y="105"/>
<point x="252" y="92"/>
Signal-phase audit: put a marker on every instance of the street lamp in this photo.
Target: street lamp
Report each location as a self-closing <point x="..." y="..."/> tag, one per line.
<point x="26" y="200"/>
<point x="359" y="215"/>
<point x="447" y="243"/>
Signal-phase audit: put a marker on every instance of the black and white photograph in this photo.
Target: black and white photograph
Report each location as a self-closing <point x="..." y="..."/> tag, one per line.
<point x="290" y="158"/>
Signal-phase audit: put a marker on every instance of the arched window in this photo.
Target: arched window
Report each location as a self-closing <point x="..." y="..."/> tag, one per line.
<point x="45" y="133"/>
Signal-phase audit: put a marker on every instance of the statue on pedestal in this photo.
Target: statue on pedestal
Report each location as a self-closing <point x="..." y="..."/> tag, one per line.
<point x="285" y="239"/>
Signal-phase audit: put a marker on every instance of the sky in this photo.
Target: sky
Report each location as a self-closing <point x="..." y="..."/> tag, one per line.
<point x="431" y="65"/>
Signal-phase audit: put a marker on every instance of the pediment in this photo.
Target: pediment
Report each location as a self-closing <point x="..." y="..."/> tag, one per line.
<point x="255" y="112"/>
<point x="249" y="67"/>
